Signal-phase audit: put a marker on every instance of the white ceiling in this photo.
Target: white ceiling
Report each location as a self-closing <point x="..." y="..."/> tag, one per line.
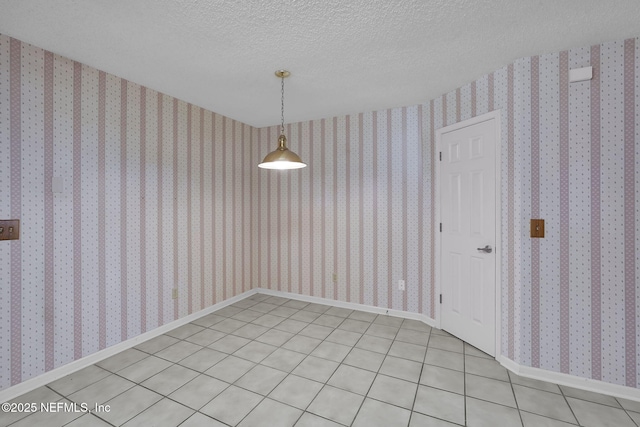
<point x="345" y="56"/>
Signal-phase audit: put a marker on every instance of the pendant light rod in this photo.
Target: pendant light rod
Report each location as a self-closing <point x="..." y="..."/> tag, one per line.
<point x="282" y="74"/>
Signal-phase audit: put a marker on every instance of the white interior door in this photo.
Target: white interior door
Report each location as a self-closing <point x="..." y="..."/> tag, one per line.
<point x="468" y="238"/>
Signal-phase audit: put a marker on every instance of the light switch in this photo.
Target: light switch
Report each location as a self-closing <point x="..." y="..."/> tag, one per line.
<point x="9" y="229"/>
<point x="537" y="228"/>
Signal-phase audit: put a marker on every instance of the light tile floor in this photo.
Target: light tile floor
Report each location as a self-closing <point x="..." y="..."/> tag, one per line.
<point x="270" y="361"/>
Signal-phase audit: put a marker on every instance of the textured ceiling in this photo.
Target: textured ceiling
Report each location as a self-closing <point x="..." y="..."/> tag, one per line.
<point x="344" y="56"/>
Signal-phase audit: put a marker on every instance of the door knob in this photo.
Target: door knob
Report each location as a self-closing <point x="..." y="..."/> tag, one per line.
<point x="486" y="249"/>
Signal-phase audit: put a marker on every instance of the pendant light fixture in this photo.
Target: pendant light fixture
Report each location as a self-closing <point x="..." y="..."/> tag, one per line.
<point x="282" y="157"/>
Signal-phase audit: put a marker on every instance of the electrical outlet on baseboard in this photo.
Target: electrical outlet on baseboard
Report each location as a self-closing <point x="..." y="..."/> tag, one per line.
<point x="401" y="285"/>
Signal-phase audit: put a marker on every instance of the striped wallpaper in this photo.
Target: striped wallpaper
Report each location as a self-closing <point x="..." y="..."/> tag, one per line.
<point x="572" y="297"/>
<point x="151" y="187"/>
<point x="569" y="156"/>
<point x="357" y="219"/>
<point x="158" y="193"/>
<point x="363" y="208"/>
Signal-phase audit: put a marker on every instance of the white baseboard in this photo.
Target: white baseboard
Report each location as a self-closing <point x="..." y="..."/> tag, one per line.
<point x="351" y="305"/>
<point x="49" y="376"/>
<point x="587" y="384"/>
<point x="524" y="371"/>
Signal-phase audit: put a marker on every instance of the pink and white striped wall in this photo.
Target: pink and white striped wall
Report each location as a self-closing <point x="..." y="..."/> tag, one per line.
<point x="572" y="299"/>
<point x="158" y="193"/>
<point x="151" y="187"/>
<point x="359" y="211"/>
<point x="363" y="208"/>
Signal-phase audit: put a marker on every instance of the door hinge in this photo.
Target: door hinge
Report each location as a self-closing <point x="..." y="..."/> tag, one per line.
<point x="440" y="298"/>
<point x="441" y="227"/>
<point x="441" y="156"/>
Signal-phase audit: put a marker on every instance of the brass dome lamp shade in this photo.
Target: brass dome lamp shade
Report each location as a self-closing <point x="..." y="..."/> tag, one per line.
<point x="282" y="158"/>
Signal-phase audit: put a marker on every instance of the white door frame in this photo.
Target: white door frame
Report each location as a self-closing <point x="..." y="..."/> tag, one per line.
<point x="493" y="115"/>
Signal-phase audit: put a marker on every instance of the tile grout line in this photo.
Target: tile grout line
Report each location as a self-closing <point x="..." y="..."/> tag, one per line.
<point x="567" y="402"/>
<point x="464" y="381"/>
<point x="515" y="398"/>
<point x="163" y="396"/>
<point x="309" y="354"/>
<point x="378" y="371"/>
<point x="419" y="378"/>
<point x="340" y="363"/>
<point x="626" y="411"/>
<point x="283" y="316"/>
<point x="287" y="373"/>
<point x="234" y="383"/>
<point x="337" y="327"/>
<point x="184" y="339"/>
